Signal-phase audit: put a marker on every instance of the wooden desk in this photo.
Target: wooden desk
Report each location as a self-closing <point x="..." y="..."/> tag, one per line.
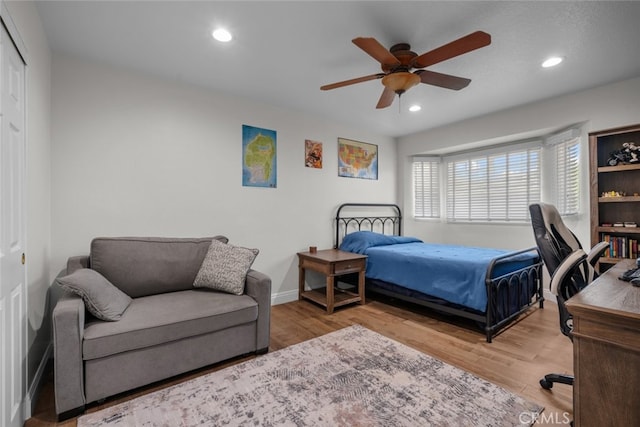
<point x="332" y="263"/>
<point x="606" y="351"/>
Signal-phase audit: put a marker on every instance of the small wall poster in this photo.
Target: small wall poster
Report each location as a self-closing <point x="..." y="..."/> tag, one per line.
<point x="357" y="159"/>
<point x="312" y="154"/>
<point x="259" y="162"/>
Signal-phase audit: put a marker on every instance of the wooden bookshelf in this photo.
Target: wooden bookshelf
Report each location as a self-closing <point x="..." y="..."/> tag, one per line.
<point x="621" y="178"/>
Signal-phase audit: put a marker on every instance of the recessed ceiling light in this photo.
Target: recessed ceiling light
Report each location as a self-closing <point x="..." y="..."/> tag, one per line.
<point x="552" y="62"/>
<point x="221" y="35"/>
<point x="415" y="108"/>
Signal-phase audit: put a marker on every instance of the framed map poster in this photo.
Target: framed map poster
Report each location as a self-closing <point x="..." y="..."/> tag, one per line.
<point x="259" y="162"/>
<point x="357" y="159"/>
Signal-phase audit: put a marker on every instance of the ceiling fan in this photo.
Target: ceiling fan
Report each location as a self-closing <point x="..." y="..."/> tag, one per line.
<point x="398" y="62"/>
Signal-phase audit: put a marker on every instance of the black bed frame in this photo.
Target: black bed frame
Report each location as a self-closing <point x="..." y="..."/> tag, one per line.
<point x="503" y="293"/>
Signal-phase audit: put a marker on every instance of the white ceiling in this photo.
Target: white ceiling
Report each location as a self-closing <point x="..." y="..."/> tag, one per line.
<point x="284" y="51"/>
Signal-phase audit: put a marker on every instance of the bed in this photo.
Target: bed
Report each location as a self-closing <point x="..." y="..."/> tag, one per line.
<point x="493" y="287"/>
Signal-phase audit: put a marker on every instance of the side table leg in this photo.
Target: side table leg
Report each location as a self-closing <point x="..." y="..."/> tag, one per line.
<point x="301" y="280"/>
<point x="330" y="297"/>
<point x="361" y="286"/>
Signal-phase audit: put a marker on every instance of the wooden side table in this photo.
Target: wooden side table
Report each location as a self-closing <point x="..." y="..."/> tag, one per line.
<point x="332" y="263"/>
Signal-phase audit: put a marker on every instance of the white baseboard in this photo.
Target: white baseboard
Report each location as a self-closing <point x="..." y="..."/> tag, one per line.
<point x="284" y="297"/>
<point x="548" y="296"/>
<point x="36" y="384"/>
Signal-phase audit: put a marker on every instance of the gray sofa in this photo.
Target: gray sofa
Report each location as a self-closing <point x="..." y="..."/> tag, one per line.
<point x="168" y="328"/>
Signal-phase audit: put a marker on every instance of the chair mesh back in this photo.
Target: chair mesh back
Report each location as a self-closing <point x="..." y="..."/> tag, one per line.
<point x="554" y="240"/>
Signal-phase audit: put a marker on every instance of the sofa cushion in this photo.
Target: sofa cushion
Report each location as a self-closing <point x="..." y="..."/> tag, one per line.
<point x="141" y="266"/>
<point x="225" y="268"/>
<point x="102" y="299"/>
<point x="157" y="319"/>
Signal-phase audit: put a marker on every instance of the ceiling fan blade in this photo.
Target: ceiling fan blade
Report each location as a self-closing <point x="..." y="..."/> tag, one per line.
<point x="457" y="47"/>
<point x="352" y="81"/>
<point x="376" y="51"/>
<point x="442" y="80"/>
<point x="386" y="98"/>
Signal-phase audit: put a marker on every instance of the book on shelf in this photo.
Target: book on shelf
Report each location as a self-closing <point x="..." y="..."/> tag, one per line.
<point x="620" y="246"/>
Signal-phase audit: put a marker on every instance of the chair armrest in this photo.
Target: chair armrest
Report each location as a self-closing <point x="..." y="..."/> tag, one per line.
<point x="68" y="330"/>
<point x="258" y="286"/>
<point x="566" y="268"/>
<point x="596" y="252"/>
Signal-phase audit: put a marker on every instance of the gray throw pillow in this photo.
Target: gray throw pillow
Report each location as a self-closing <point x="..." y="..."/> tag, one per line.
<point x="101" y="298"/>
<point x="225" y="268"/>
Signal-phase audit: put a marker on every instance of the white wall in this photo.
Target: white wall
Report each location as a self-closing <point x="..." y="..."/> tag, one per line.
<point x="600" y="108"/>
<point x="138" y="155"/>
<point x="38" y="191"/>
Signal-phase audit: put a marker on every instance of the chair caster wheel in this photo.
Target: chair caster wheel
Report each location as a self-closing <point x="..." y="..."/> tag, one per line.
<point x="546" y="384"/>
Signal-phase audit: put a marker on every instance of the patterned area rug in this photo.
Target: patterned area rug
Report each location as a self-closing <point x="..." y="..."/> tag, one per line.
<point x="351" y="377"/>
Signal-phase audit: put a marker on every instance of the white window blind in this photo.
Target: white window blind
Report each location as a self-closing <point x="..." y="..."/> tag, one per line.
<point x="426" y="187"/>
<point x="566" y="155"/>
<point x="496" y="185"/>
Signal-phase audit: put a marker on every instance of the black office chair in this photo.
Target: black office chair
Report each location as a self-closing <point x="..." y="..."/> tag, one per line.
<point x="570" y="267"/>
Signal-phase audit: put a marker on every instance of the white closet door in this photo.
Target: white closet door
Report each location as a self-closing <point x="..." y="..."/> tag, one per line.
<point x="13" y="315"/>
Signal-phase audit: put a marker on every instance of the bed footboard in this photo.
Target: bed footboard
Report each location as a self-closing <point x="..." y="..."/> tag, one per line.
<point x="509" y="295"/>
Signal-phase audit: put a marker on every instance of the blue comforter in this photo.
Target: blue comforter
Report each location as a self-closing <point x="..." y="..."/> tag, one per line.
<point x="450" y="272"/>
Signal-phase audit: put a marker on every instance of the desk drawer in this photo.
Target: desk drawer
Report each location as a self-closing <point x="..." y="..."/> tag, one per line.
<point x="351" y="266"/>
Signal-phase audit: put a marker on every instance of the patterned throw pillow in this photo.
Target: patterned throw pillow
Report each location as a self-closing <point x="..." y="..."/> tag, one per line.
<point x="225" y="268"/>
<point x="100" y="296"/>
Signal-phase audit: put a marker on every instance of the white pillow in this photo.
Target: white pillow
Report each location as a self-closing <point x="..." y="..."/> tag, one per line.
<point x="225" y="268"/>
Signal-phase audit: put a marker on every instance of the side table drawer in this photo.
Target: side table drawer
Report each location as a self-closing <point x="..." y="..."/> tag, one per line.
<point x="350" y="266"/>
<point x="315" y="265"/>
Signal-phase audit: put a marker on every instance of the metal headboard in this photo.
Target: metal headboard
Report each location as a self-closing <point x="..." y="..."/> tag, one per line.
<point x="389" y="222"/>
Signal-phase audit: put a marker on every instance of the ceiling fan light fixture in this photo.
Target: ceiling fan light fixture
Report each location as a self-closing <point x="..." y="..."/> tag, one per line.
<point x="400" y="81"/>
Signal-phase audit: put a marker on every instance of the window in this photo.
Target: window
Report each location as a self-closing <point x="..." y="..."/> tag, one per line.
<point x="497" y="184"/>
<point x="494" y="185"/>
<point x="566" y="158"/>
<point x="426" y="187"/>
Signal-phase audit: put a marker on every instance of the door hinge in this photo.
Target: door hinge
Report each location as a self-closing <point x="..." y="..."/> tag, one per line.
<point x="24" y="259"/>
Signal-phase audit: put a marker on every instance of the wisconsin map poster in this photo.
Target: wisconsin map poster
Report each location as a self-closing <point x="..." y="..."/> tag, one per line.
<point x="357" y="159"/>
<point x="259" y="162"/>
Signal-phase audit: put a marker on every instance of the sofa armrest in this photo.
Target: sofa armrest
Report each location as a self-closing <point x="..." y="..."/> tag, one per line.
<point x="258" y="286"/>
<point x="76" y="263"/>
<point x="68" y="329"/>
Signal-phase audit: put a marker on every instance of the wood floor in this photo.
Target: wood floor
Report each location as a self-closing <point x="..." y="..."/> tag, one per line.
<point x="516" y="359"/>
